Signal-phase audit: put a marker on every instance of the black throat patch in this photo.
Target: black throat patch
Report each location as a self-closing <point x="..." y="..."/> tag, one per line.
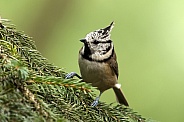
<point x="87" y="51"/>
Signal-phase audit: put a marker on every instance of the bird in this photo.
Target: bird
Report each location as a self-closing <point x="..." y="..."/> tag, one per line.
<point x="98" y="63"/>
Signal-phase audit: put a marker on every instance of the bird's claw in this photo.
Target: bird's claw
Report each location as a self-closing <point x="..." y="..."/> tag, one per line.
<point x="95" y="102"/>
<point x="71" y="75"/>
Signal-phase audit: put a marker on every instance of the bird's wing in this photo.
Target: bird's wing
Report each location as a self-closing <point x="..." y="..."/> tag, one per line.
<point x="114" y="64"/>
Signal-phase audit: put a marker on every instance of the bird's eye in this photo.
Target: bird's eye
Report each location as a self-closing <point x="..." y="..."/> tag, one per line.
<point x="100" y="31"/>
<point x="95" y="42"/>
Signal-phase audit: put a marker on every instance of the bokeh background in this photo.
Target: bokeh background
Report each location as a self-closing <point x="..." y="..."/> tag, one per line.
<point x="148" y="38"/>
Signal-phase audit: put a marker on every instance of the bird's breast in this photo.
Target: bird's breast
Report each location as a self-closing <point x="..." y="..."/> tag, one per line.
<point x="98" y="73"/>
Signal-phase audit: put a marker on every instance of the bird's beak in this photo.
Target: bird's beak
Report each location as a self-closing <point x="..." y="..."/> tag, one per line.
<point x="83" y="40"/>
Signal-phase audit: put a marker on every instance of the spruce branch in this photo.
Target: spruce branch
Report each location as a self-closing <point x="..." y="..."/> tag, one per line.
<point x="32" y="89"/>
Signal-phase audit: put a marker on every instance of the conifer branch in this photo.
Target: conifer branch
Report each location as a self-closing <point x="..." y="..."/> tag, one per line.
<point x="32" y="89"/>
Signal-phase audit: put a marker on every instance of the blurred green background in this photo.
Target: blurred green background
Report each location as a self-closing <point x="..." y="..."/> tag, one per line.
<point x="148" y="38"/>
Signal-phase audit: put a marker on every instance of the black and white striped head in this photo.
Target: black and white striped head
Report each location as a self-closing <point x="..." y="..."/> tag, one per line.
<point x="97" y="44"/>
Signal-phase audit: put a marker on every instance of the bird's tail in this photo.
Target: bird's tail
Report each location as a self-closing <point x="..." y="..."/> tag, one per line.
<point x="120" y="97"/>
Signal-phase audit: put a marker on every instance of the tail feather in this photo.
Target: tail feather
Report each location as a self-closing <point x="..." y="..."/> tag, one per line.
<point x="120" y="97"/>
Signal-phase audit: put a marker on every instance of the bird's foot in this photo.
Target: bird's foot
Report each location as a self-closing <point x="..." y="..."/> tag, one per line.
<point x="95" y="102"/>
<point x="71" y="75"/>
